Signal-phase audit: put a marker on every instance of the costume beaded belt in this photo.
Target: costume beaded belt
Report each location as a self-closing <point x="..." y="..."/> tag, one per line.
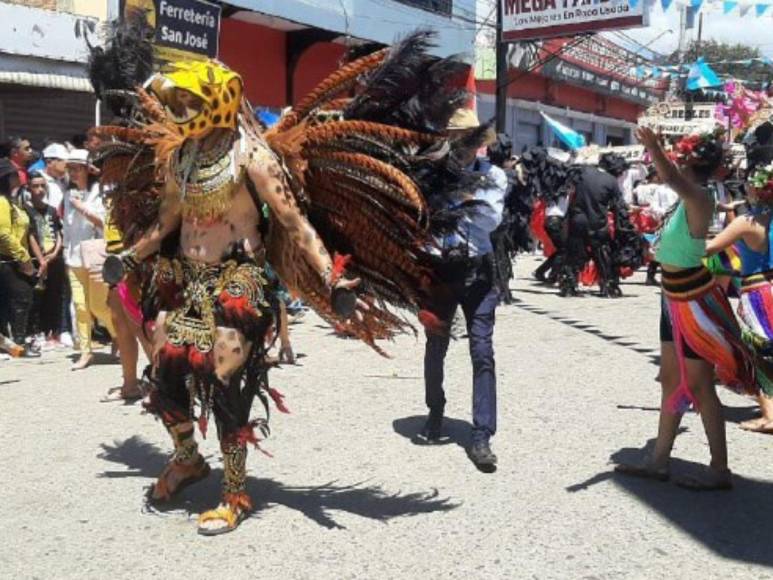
<point x="687" y="284"/>
<point x="756" y="280"/>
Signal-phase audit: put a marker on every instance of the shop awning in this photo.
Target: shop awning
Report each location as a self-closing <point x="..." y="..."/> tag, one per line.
<point x="46" y="80"/>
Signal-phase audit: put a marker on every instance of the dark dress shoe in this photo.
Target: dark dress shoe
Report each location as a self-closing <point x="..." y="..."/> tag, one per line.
<point x="432" y="430"/>
<point x="481" y="455"/>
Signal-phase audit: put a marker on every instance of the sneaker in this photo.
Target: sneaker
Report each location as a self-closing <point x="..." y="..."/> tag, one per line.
<point x="481" y="455"/>
<point x="65" y="339"/>
<point x="30" y="351"/>
<point x="32" y="345"/>
<point x="433" y="428"/>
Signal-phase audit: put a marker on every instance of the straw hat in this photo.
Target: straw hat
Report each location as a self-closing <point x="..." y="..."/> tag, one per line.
<point x="463" y="119"/>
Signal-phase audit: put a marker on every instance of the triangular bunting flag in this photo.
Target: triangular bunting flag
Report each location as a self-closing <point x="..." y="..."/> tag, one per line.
<point x="760" y="8"/>
<point x="633" y="3"/>
<point x="728" y="7"/>
<point x="666" y="4"/>
<point x="744" y="10"/>
<point x="696" y="4"/>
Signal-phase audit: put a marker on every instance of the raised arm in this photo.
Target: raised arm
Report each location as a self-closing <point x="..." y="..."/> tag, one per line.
<point x="697" y="202"/>
<point x="669" y="173"/>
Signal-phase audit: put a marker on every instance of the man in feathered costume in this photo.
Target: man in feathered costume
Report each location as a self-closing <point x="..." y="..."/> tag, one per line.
<point x="361" y="169"/>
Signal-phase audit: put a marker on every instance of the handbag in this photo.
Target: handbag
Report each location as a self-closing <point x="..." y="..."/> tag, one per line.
<point x="93" y="255"/>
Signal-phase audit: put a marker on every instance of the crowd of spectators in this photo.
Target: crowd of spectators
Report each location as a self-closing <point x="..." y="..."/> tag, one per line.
<point x="51" y="231"/>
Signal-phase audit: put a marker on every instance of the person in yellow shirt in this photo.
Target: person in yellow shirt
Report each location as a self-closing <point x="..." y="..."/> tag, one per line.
<point x="17" y="274"/>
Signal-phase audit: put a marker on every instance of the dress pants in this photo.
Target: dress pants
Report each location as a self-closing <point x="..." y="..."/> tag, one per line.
<point x="473" y="290"/>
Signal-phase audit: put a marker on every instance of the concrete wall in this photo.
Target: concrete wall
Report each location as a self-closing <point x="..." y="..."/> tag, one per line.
<point x="44" y="33"/>
<point x="376" y="20"/>
<point x="93" y="8"/>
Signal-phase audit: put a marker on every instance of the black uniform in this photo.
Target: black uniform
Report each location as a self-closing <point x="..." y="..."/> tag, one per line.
<point x="596" y="193"/>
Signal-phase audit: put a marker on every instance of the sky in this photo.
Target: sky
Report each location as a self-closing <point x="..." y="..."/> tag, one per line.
<point x="749" y="29"/>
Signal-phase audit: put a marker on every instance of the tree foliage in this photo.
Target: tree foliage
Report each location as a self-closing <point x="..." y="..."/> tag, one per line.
<point x="714" y="51"/>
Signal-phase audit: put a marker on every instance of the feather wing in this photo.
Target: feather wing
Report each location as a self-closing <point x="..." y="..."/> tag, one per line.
<point x="379" y="182"/>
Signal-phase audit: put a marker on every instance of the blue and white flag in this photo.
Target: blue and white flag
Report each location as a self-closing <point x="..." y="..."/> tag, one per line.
<point x="701" y="76"/>
<point x="728" y="6"/>
<point x="568" y="137"/>
<point x="760" y="8"/>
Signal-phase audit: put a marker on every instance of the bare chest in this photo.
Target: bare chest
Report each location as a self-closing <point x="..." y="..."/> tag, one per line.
<point x="212" y="241"/>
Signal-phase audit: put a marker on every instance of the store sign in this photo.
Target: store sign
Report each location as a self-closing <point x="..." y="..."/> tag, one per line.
<point x="596" y="64"/>
<point x="535" y="19"/>
<point x="678" y="118"/>
<point x="184" y="28"/>
<point x="591" y="155"/>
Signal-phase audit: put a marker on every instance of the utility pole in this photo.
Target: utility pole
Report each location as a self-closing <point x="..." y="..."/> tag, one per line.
<point x="501" y="76"/>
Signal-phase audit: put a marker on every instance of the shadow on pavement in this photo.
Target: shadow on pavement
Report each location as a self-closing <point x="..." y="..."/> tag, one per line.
<point x="455" y="431"/>
<point x="732" y="524"/>
<point x="732" y="414"/>
<point x="651" y="353"/>
<point x="99" y="358"/>
<point x="315" y="502"/>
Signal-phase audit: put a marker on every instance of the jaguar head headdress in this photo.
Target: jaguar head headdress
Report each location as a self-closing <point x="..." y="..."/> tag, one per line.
<point x="199" y="96"/>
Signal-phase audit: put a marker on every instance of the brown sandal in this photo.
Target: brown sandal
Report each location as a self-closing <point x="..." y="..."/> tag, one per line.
<point x="190" y="473"/>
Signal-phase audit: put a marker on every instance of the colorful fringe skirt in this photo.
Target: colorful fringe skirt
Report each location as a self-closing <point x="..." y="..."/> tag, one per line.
<point x="756" y="314"/>
<point x="701" y="317"/>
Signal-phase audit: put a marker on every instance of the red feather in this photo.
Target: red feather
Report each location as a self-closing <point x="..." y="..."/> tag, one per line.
<point x="278" y="400"/>
<point x="339" y="267"/>
<point x="201" y="362"/>
<point x="432" y="323"/>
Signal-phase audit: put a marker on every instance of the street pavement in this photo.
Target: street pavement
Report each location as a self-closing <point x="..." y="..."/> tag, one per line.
<point x="348" y="494"/>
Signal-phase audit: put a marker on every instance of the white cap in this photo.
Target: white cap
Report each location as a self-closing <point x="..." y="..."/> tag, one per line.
<point x="78" y="156"/>
<point x="55" y="151"/>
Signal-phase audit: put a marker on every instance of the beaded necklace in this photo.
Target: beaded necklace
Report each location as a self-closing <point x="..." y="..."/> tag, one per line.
<point x="206" y="179"/>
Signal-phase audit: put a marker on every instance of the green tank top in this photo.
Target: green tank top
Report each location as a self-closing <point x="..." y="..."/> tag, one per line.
<point x="676" y="246"/>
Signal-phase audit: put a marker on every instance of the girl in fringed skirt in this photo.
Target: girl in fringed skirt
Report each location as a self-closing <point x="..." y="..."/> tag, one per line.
<point x="699" y="335"/>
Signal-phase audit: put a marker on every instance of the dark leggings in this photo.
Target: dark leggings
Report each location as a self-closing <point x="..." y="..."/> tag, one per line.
<point x="17" y="301"/>
<point x="667" y="332"/>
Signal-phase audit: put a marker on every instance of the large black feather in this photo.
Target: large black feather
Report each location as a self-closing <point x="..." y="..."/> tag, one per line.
<point x="124" y="62"/>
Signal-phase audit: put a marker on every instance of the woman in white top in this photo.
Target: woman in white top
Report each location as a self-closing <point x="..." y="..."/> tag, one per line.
<point x="84" y="213"/>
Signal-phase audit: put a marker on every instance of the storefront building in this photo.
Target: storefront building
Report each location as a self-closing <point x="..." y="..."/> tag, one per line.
<point x="588" y="86"/>
<point x="44" y="89"/>
<point x="283" y="48"/>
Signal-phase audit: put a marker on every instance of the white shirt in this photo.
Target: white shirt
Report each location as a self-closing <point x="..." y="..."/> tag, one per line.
<point x="626" y="181"/>
<point x="76" y="227"/>
<point x="478" y="226"/>
<point x="662" y="199"/>
<point x="558" y="208"/>
<point x="56" y="189"/>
